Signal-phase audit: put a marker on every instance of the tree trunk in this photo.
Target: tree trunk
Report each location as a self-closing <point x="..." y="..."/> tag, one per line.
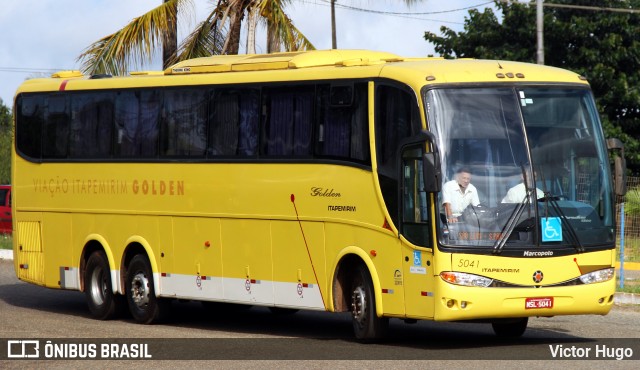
<point x="273" y="45"/>
<point x="251" y="28"/>
<point x="170" y="40"/>
<point x="232" y="46"/>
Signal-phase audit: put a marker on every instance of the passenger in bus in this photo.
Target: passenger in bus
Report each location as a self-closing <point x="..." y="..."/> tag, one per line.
<point x="458" y="194"/>
<point x="517" y="193"/>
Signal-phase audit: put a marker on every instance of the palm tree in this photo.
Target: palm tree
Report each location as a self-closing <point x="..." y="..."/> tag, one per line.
<point x="219" y="33"/>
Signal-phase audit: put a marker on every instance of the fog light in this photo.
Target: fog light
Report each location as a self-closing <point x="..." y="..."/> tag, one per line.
<point x="600" y="300"/>
<point x="450" y="303"/>
<point x="463" y="304"/>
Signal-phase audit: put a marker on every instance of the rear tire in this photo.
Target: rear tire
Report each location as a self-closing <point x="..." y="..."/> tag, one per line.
<point x="367" y="326"/>
<point x="144" y="306"/>
<point x="510" y="328"/>
<point x="103" y="303"/>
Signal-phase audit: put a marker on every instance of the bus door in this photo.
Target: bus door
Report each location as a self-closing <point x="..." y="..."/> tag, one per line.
<point x="415" y="229"/>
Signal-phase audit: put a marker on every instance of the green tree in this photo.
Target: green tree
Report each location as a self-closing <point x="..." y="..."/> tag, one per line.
<point x="598" y="44"/>
<point x="219" y="33"/>
<point x="5" y="143"/>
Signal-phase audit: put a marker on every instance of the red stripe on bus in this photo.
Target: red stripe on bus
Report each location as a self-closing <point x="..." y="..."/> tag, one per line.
<point x="63" y="85"/>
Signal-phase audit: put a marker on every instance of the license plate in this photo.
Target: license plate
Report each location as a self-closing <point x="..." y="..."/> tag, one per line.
<point x="540" y="302"/>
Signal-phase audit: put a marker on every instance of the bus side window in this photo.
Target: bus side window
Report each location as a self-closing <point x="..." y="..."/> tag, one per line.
<point x="91" y="125"/>
<point x="184" y="123"/>
<point x="397" y="118"/>
<point x="288" y="121"/>
<point x="223" y="130"/>
<point x="56" y="128"/>
<point x="137" y="116"/>
<point x="233" y="123"/>
<point x="249" y="119"/>
<point x="29" y="125"/>
<point x="342" y="129"/>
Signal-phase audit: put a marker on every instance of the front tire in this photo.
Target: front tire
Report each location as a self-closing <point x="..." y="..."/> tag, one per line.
<point x="144" y="306"/>
<point x="510" y="328"/>
<point x="103" y="303"/>
<point x="367" y="326"/>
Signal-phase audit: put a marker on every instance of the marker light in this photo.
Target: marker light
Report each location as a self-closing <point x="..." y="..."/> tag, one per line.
<point x="462" y="278"/>
<point x="598" y="276"/>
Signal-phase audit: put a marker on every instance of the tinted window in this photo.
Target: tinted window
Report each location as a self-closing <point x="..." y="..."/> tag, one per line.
<point x="288" y="121"/>
<point x="55" y="133"/>
<point x="301" y="121"/>
<point x="137" y="115"/>
<point x="91" y="125"/>
<point x="233" y="122"/>
<point x="30" y="120"/>
<point x="343" y="130"/>
<point x="184" y="129"/>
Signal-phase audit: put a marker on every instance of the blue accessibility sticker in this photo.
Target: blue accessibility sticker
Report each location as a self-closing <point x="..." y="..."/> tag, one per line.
<point x="551" y="229"/>
<point x="417" y="258"/>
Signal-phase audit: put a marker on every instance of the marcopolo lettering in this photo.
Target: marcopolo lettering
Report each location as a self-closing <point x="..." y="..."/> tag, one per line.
<point x="537" y="253"/>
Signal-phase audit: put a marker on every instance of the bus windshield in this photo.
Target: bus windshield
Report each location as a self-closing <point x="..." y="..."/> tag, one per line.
<point x="522" y="168"/>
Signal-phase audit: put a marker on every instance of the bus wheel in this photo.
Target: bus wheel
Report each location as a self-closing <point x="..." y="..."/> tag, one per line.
<point x="510" y="328"/>
<point x="102" y="303"/>
<point x="367" y="326"/>
<point x="145" y="307"/>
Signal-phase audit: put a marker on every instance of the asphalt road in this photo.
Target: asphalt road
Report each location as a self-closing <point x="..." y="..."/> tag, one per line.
<point x="256" y="338"/>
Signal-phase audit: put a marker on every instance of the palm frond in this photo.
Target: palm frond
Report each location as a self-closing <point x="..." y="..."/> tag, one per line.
<point x="286" y="33"/>
<point x="135" y="43"/>
<point x="206" y="40"/>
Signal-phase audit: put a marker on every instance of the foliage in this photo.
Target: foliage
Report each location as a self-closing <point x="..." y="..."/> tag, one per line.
<point x="133" y="43"/>
<point x="219" y="33"/>
<point x="600" y="45"/>
<point x="5" y="144"/>
<point x="6" y="241"/>
<point x="632" y="201"/>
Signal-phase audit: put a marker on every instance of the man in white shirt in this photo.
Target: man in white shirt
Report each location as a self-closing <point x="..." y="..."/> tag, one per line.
<point x="517" y="194"/>
<point x="458" y="194"/>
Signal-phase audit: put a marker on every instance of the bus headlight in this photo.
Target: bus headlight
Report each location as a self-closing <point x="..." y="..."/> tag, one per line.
<point x="598" y="276"/>
<point x="462" y="278"/>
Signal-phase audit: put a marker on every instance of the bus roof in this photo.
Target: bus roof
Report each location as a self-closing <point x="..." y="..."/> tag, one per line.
<point x="326" y="64"/>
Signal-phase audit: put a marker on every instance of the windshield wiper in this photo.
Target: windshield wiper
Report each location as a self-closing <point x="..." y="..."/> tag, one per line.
<point x="573" y="237"/>
<point x="510" y="225"/>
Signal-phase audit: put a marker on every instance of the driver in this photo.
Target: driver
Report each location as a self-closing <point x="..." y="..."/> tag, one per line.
<point x="458" y="193"/>
<point x="518" y="193"/>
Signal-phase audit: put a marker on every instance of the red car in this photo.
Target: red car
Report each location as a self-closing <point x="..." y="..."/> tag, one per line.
<point x="5" y="209"/>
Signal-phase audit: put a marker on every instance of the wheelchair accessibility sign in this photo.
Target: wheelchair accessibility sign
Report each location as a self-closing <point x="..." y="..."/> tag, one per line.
<point x="551" y="229"/>
<point x="417" y="258"/>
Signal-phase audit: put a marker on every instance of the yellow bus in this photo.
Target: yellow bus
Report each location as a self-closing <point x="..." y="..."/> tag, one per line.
<point x="317" y="180"/>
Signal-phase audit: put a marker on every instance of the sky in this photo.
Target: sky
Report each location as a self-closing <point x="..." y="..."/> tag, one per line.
<point x="39" y="37"/>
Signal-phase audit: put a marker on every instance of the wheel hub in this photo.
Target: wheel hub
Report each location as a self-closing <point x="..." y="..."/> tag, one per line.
<point x="139" y="290"/>
<point x="358" y="304"/>
<point x="98" y="286"/>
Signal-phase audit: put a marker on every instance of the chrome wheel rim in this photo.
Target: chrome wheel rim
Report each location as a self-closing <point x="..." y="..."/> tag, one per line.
<point x="358" y="304"/>
<point x="99" y="286"/>
<point x="140" y="290"/>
